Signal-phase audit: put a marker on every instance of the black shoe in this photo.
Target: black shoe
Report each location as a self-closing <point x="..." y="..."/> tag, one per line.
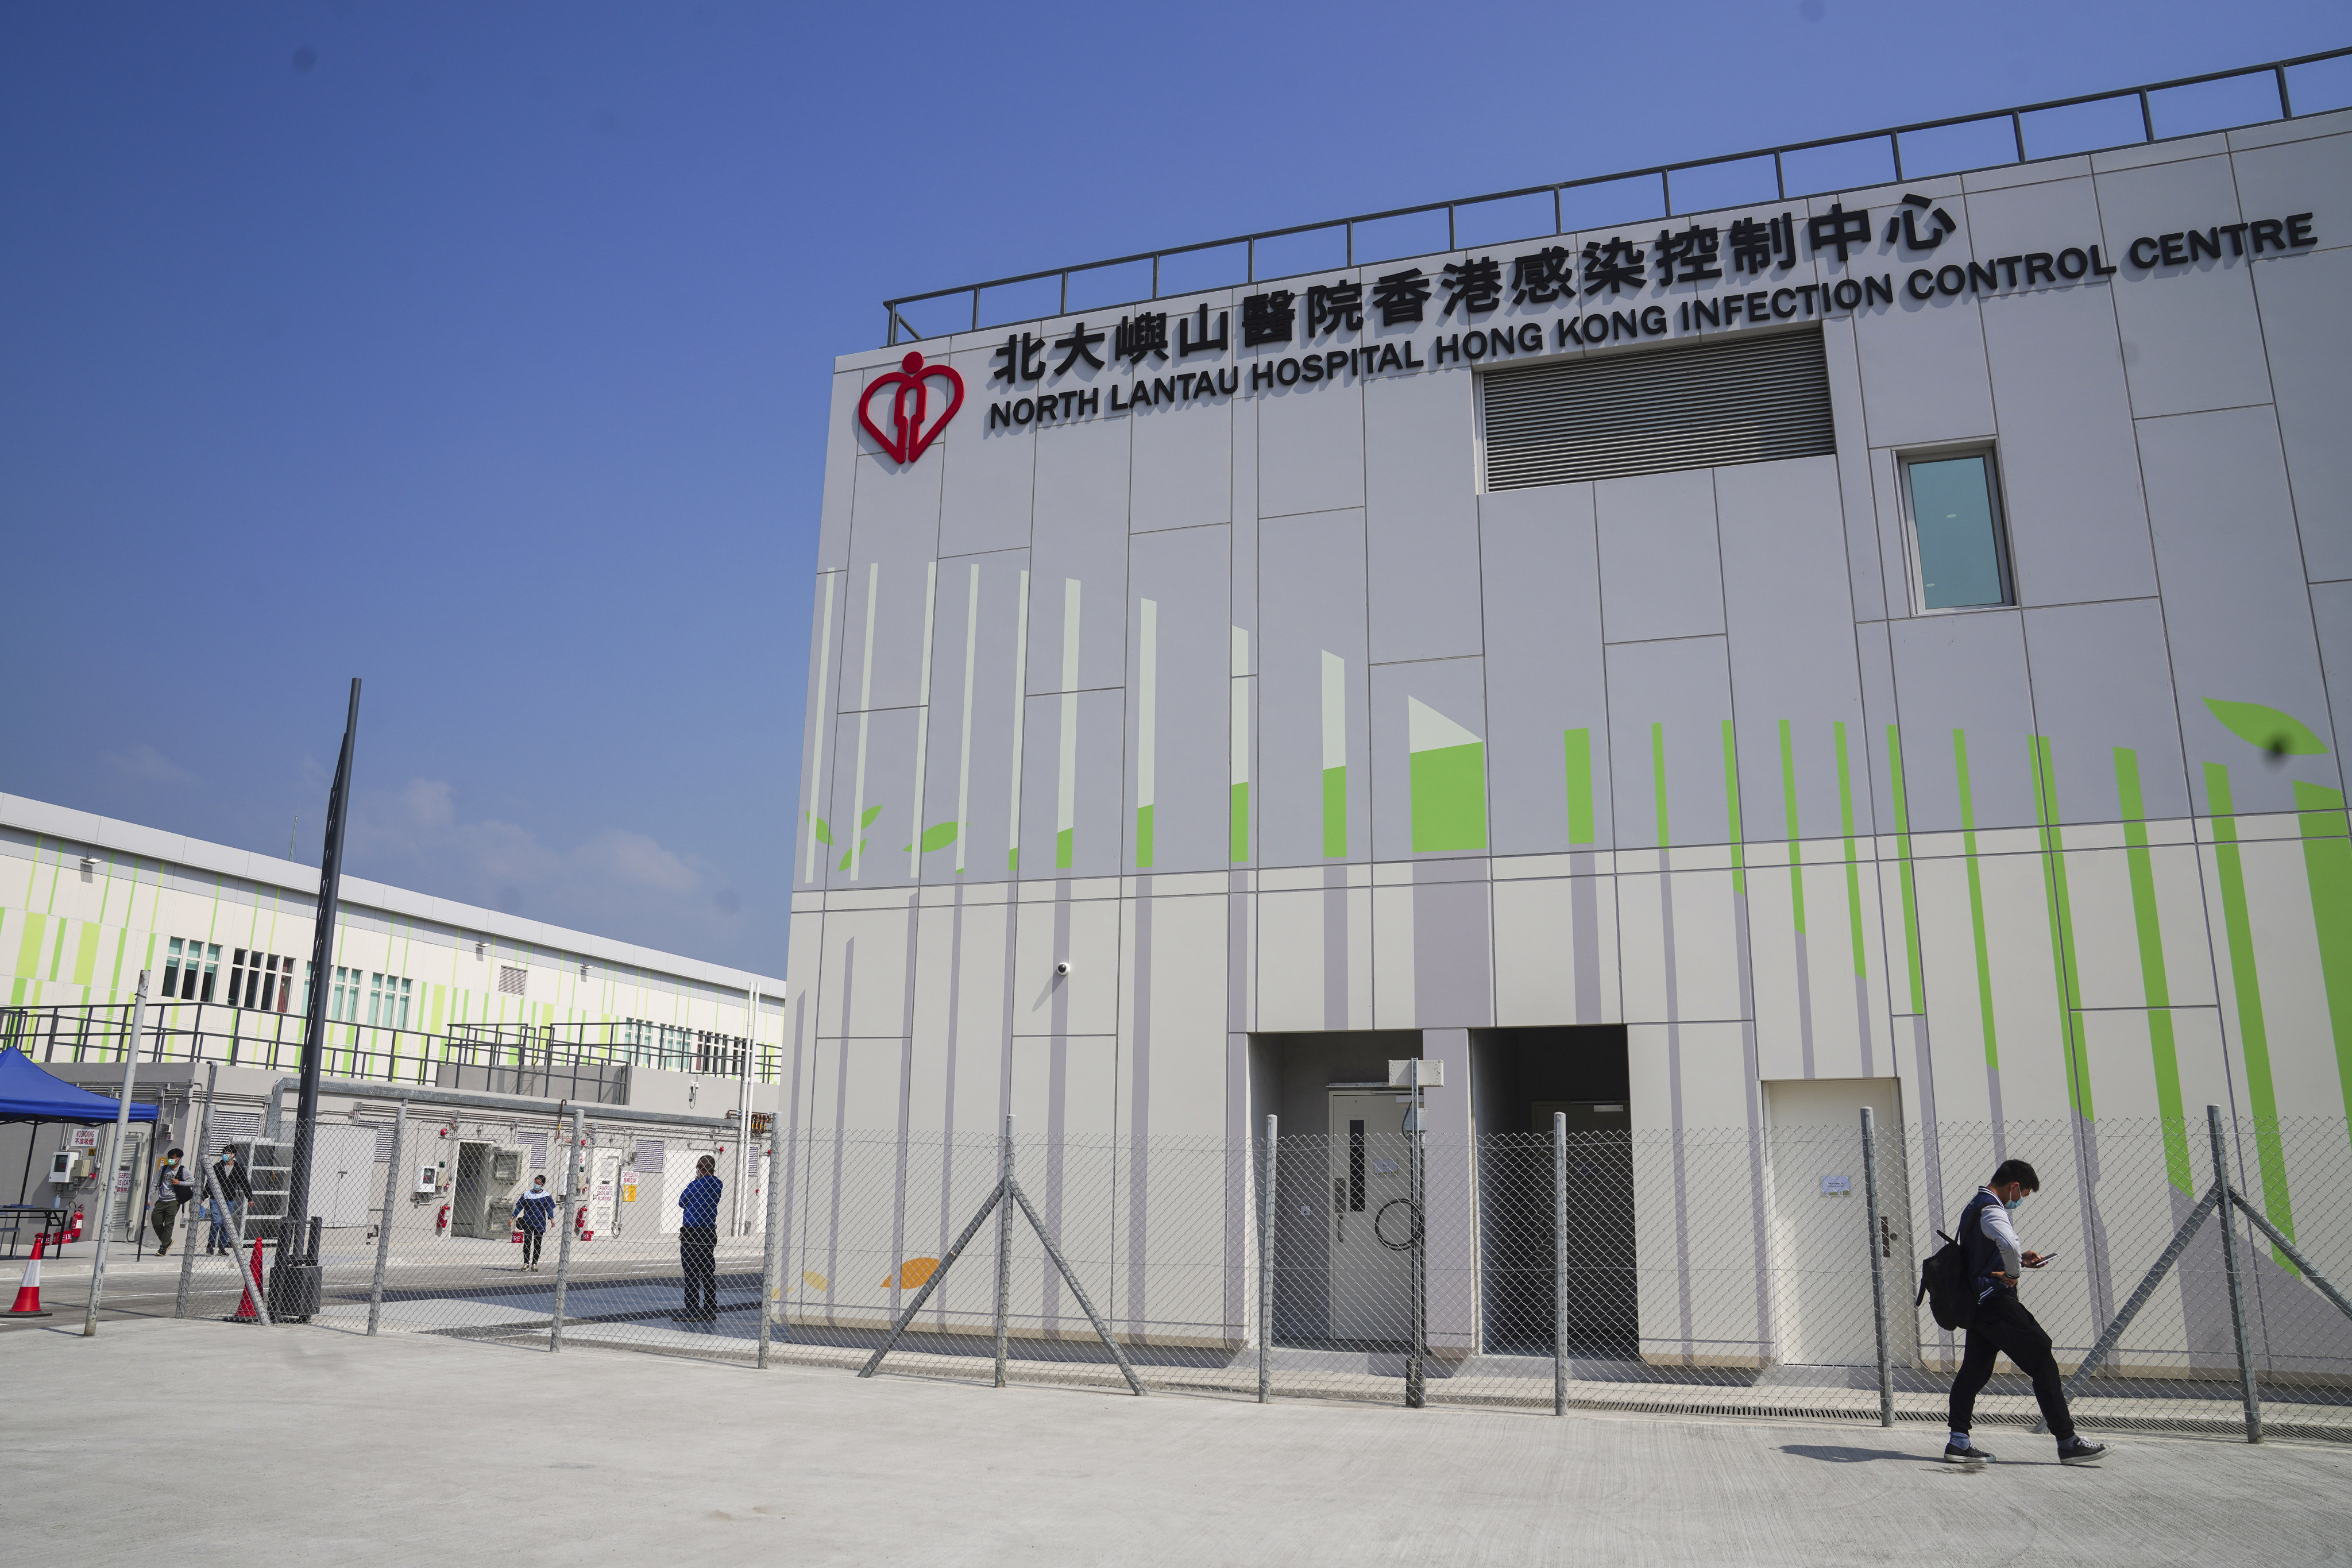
<point x="1971" y="1456"/>
<point x="2081" y="1451"/>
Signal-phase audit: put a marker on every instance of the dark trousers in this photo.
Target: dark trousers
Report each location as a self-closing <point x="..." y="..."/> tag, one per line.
<point x="160" y="1216"/>
<point x="2003" y="1327"/>
<point x="532" y="1239"/>
<point x="697" y="1251"/>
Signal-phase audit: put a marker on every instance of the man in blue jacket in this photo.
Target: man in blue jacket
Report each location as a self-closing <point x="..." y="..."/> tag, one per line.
<point x="697" y="1242"/>
<point x="533" y="1212"/>
<point x="2002" y="1325"/>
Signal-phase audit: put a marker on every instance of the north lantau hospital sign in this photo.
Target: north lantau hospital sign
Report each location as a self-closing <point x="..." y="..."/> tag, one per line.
<point x="1613" y="290"/>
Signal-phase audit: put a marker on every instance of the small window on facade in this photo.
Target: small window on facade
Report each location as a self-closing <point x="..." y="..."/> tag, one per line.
<point x="1962" y="554"/>
<point x="387" y="1000"/>
<point x="343" y="1000"/>
<point x="191" y="970"/>
<point x="262" y="980"/>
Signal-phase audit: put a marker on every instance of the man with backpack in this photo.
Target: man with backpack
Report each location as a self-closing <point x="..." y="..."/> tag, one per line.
<point x="1998" y="1323"/>
<point x="171" y="1189"/>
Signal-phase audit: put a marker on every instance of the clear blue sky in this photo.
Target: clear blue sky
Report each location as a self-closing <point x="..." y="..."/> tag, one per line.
<point x="481" y="350"/>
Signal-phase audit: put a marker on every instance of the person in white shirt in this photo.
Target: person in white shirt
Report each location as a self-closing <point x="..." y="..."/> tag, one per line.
<point x="2001" y="1326"/>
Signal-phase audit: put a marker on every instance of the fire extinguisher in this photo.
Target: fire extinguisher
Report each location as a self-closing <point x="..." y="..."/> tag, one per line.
<point x="441" y="1220"/>
<point x="579" y="1224"/>
<point x="73" y="1231"/>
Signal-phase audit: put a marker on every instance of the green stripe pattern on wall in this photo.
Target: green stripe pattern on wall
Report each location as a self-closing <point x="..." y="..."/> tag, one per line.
<point x="2156" y="985"/>
<point x="2328" y="865"/>
<point x="1448" y="779"/>
<point x="1902" y="804"/>
<point x="1731" y="810"/>
<point x="1789" y="813"/>
<point x="1853" y="862"/>
<point x="1658" y="776"/>
<point x="2059" y="900"/>
<point x="1976" y="896"/>
<point x="1577" y="745"/>
<point x="2245" y="984"/>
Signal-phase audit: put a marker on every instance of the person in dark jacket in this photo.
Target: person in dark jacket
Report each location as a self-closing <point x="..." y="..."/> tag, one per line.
<point x="697" y="1242"/>
<point x="2003" y="1326"/>
<point x="230" y="1192"/>
<point x="533" y="1212"/>
<point x="173" y="1188"/>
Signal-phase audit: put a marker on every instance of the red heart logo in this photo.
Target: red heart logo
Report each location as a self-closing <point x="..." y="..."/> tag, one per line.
<point x="908" y="402"/>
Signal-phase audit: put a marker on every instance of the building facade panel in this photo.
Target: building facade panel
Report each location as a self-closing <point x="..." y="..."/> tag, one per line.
<point x="1794" y="778"/>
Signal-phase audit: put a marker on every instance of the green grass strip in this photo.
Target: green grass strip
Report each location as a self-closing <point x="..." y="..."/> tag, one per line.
<point x="2156" y="982"/>
<point x="2254" y="1035"/>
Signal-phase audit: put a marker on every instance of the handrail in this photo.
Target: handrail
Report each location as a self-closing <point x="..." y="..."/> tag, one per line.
<point x="1662" y="173"/>
<point x="215" y="1031"/>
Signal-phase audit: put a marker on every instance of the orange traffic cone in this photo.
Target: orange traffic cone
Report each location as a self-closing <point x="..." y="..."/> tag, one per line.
<point x="245" y="1311"/>
<point x="28" y="1294"/>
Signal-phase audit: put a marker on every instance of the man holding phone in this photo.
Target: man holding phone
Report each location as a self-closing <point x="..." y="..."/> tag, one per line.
<point x="2001" y="1325"/>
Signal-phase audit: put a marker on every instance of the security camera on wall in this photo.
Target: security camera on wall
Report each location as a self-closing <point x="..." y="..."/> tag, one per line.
<point x="1063" y="967"/>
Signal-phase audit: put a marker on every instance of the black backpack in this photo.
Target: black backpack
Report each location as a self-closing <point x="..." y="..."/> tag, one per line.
<point x="1944" y="1286"/>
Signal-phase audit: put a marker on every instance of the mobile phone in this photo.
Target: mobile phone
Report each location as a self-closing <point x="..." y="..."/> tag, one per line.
<point x="2044" y="1259"/>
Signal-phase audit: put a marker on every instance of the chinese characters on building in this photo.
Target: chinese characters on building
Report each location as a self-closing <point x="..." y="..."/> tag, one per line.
<point x="1740" y="273"/>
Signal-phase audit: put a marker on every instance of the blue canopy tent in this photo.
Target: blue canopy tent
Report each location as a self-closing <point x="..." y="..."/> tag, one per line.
<point x="27" y="1093"/>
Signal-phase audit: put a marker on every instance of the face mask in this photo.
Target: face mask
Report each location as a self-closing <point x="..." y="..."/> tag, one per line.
<point x="2013" y="1205"/>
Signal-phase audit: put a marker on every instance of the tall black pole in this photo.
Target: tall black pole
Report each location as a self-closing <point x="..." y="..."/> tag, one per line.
<point x="314" y="1016"/>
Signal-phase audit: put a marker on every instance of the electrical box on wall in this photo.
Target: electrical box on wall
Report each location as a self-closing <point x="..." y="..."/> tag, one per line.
<point x="69" y="1165"/>
<point x="428" y="1179"/>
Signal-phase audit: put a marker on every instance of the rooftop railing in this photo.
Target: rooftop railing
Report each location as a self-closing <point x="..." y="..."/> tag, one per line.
<point x="2003" y="136"/>
<point x="578" y="1054"/>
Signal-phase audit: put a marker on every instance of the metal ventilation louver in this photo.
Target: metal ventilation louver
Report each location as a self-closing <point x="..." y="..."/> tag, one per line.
<point x="1744" y="400"/>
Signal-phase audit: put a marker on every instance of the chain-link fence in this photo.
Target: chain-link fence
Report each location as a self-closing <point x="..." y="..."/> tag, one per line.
<point x="498" y="1229"/>
<point x="1753" y="1271"/>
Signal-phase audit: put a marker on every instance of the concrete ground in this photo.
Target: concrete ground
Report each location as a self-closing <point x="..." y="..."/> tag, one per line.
<point x="201" y="1443"/>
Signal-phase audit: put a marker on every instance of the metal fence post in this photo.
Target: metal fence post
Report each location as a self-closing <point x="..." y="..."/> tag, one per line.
<point x="1003" y="1242"/>
<point x="203" y="1201"/>
<point x="1416" y="1386"/>
<point x="1558" y="1262"/>
<point x="1875" y="1237"/>
<point x="771" y="1245"/>
<point x="1265" y="1269"/>
<point x="384" y="1228"/>
<point x="114" y="1152"/>
<point x="2246" y="1390"/>
<point x="563" y="1240"/>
